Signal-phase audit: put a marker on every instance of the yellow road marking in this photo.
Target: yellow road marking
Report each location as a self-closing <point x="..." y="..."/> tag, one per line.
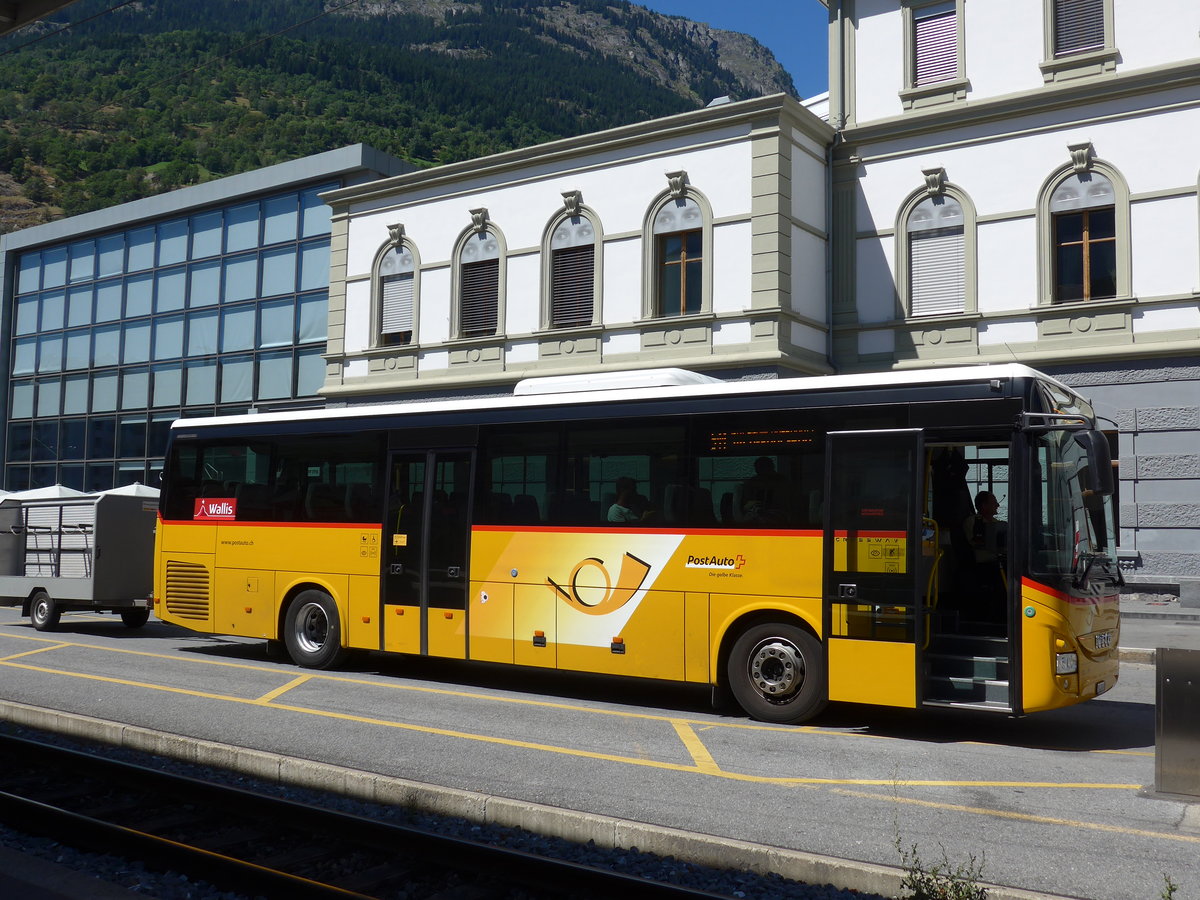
<point x="450" y="692"/>
<point x="565" y="751"/>
<point x="280" y="691"/>
<point x="700" y="755"/>
<point x="32" y="652"/>
<point x="1023" y="817"/>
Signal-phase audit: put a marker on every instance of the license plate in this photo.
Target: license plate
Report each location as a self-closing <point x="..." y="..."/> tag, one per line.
<point x="1104" y="640"/>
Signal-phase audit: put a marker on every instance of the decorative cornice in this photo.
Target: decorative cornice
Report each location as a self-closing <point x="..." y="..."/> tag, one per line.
<point x="790" y="114"/>
<point x="572" y="201"/>
<point x="935" y="180"/>
<point x="396" y="234"/>
<point x="1058" y="96"/>
<point x="479" y="219"/>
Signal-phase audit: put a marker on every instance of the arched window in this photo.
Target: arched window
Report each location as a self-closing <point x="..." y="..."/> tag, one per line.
<point x="572" y="248"/>
<point x="935" y="250"/>
<point x="679" y="257"/>
<point x="936" y="257"/>
<point x="1084" y="238"/>
<point x="479" y="285"/>
<point x="397" y="303"/>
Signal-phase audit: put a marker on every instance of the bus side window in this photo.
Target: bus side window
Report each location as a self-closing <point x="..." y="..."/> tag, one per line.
<point x="325" y="503"/>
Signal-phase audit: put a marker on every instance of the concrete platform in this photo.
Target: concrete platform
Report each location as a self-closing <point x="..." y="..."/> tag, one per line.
<point x="1149" y="621"/>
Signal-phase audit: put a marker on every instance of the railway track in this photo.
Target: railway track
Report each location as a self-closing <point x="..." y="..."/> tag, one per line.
<point x="261" y="845"/>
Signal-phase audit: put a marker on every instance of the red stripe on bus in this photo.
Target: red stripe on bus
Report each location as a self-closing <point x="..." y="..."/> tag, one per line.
<point x="227" y="523"/>
<point x="625" y="529"/>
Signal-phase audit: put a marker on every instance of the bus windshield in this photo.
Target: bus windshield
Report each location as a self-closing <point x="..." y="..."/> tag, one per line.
<point x="1076" y="521"/>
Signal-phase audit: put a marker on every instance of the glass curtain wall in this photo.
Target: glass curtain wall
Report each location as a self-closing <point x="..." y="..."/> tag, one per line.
<point x="117" y="335"/>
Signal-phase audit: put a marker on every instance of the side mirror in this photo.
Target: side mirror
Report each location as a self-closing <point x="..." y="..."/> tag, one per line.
<point x="1100" y="472"/>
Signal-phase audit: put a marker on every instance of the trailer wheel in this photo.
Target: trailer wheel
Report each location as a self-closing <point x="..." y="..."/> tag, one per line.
<point x="43" y="611"/>
<point x="135" y="617"/>
<point x="777" y="673"/>
<point x="313" y="631"/>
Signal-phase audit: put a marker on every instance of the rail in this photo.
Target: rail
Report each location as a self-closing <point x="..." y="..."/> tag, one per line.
<point x="250" y="842"/>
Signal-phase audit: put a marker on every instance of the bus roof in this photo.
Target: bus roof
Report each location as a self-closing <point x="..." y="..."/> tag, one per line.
<point x="623" y="386"/>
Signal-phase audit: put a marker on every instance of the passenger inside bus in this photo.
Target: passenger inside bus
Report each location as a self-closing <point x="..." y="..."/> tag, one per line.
<point x="973" y="539"/>
<point x="988" y="538"/>
<point x="764" y="494"/>
<point x="629" y="507"/>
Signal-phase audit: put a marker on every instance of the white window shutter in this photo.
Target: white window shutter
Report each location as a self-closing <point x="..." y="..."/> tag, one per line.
<point x="397" y="303"/>
<point x="937" y="272"/>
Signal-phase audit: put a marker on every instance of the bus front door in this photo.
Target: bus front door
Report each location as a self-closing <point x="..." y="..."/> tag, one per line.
<point x="873" y="610"/>
<point x="426" y="535"/>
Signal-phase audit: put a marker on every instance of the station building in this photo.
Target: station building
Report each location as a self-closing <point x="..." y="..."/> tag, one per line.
<point x="1018" y="182"/>
<point x="696" y="240"/>
<point x="209" y="299"/>
<point x="988" y="182"/>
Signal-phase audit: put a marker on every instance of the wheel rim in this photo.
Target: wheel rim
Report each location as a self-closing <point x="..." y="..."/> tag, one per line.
<point x="41" y="610"/>
<point x="776" y="668"/>
<point x="312" y="628"/>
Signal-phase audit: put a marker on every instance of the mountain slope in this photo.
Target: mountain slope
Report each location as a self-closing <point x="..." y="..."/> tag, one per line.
<point x="162" y="94"/>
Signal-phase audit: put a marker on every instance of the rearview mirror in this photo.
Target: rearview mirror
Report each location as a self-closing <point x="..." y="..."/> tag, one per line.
<point x="1100" y="471"/>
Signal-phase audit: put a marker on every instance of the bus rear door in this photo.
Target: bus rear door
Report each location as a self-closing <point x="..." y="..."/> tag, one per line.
<point x="427" y="542"/>
<point x="873" y="608"/>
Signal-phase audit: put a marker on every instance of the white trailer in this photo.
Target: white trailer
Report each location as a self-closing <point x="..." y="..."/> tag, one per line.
<point x="63" y="550"/>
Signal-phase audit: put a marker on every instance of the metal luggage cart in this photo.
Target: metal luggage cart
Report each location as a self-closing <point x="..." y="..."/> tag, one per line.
<point x="62" y="550"/>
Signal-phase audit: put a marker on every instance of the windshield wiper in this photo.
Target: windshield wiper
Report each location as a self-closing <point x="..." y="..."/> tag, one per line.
<point x="1111" y="570"/>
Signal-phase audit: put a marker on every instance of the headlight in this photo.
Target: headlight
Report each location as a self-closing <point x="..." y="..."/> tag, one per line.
<point x="1066" y="663"/>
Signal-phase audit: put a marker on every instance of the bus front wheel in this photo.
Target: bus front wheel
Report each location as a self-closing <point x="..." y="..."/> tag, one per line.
<point x="313" y="632"/>
<point x="44" y="612"/>
<point x="777" y="673"/>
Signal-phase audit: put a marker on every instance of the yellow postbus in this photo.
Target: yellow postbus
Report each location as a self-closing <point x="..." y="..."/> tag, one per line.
<point x="789" y="542"/>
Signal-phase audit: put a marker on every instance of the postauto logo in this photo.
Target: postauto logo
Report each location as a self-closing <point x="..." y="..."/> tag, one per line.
<point x="715" y="562"/>
<point x="594" y="600"/>
<point x="219" y="509"/>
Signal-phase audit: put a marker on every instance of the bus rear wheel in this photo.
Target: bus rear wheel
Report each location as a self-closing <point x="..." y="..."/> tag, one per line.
<point x="313" y="631"/>
<point x="44" y="612"/>
<point x="777" y="673"/>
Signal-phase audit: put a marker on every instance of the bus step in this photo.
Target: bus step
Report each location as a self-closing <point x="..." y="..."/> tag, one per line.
<point x="963" y="645"/>
<point x="989" y="705"/>
<point x="949" y="665"/>
<point x="956" y="689"/>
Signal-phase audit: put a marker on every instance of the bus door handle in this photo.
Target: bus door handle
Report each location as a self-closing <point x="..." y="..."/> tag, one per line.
<point x="847" y="591"/>
<point x="454" y="571"/>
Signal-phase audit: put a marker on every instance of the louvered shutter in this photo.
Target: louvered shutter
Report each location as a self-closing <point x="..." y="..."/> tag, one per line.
<point x="935" y="45"/>
<point x="572" y="271"/>
<point x="480" y="298"/>
<point x="1078" y="26"/>
<point x="397" y="304"/>
<point x="936" y="272"/>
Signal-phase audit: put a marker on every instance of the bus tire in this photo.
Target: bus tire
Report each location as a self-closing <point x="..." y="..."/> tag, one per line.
<point x="313" y="631"/>
<point x="136" y="616"/>
<point x="776" y="672"/>
<point x="43" y="611"/>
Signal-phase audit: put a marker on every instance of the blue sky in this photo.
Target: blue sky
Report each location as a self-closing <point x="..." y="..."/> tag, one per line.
<point x="794" y="30"/>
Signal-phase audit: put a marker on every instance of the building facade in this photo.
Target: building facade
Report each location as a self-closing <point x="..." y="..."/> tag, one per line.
<point x="206" y="300"/>
<point x="1017" y="181"/>
<point x="696" y="240"/>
